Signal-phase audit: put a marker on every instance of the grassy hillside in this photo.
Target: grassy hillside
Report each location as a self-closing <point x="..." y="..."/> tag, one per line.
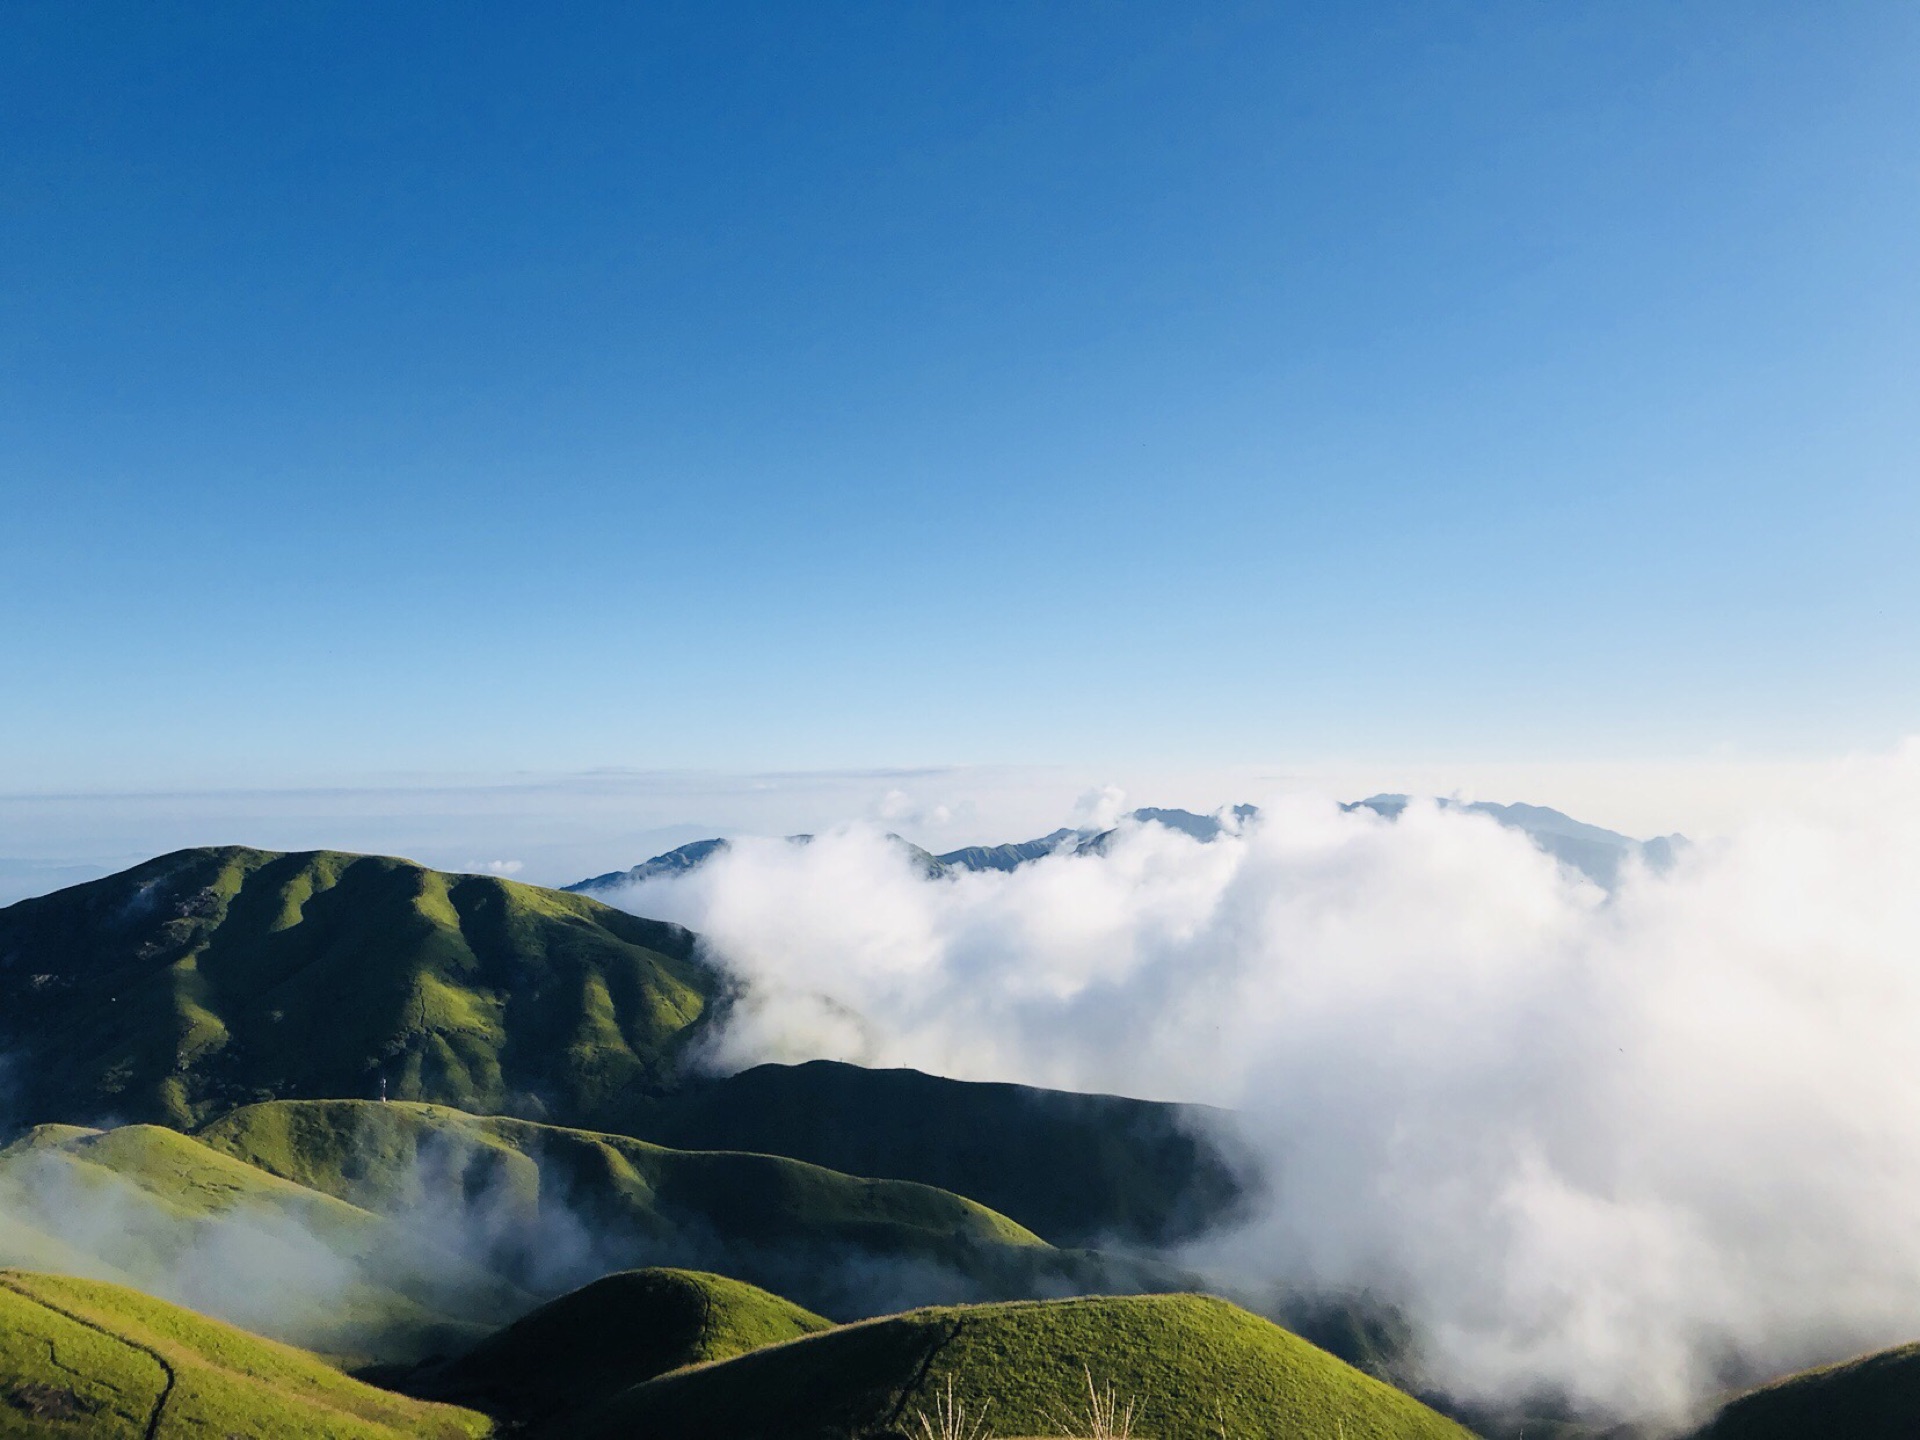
<point x="397" y="1156"/>
<point x="1078" y="1169"/>
<point x="528" y="1190"/>
<point x="553" y="1365"/>
<point x="209" y="978"/>
<point x="86" y="1359"/>
<point x="1876" y="1397"/>
<point x="1188" y="1364"/>
<point x="153" y="1208"/>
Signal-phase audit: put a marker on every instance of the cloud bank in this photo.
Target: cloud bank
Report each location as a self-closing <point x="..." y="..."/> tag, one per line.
<point x="1627" y="1148"/>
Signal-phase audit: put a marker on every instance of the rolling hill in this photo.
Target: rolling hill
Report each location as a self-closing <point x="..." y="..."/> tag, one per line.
<point x="152" y="1208"/>
<point x="552" y="1207"/>
<point x="96" y="1361"/>
<point x="1078" y="1169"/>
<point x="553" y="1366"/>
<point x="1189" y="1365"/>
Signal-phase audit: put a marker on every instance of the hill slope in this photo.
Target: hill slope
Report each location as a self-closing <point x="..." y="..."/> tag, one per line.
<point x="86" y="1359"/>
<point x="554" y="1206"/>
<point x="1875" y="1397"/>
<point x="1191" y="1366"/>
<point x="568" y="1356"/>
<point x="1078" y="1169"/>
<point x="149" y="1207"/>
<point x="208" y="978"/>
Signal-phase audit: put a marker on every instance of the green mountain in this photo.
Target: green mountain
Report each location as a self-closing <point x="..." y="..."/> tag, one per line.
<point x="96" y="1361"/>
<point x="209" y="978"/>
<point x="1186" y="1365"/>
<point x="543" y="1204"/>
<point x="1078" y="1169"/>
<point x="556" y="1364"/>
<point x="1874" y="1397"/>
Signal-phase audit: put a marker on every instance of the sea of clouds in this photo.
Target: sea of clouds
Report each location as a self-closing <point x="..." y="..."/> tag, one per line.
<point x="1626" y="1146"/>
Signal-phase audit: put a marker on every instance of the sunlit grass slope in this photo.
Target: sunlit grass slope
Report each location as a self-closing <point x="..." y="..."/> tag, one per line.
<point x="802" y="1230"/>
<point x="209" y="978"/>
<point x="397" y="1156"/>
<point x="1191" y="1366"/>
<point x="154" y="1208"/>
<point x="86" y="1359"/>
<point x="555" y="1364"/>
<point x="1876" y="1397"/>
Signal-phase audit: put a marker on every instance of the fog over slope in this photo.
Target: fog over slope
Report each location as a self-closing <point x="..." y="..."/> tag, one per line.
<point x="1624" y="1145"/>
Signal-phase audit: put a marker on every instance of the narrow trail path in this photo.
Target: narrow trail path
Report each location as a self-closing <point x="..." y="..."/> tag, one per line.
<point x="159" y="1410"/>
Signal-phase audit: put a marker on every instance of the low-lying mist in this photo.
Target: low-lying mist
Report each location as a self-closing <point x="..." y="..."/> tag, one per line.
<point x="1627" y="1147"/>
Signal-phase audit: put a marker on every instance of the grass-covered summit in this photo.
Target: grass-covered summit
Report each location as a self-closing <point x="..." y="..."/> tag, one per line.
<point x="548" y="1368"/>
<point x="1188" y="1365"/>
<point x="96" y="1361"/>
<point x="209" y="978"/>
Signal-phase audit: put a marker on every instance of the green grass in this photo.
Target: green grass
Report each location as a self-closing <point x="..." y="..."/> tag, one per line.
<point x="1874" y="1397"/>
<point x="150" y="1207"/>
<point x="806" y="1231"/>
<point x="553" y="1365"/>
<point x="209" y="978"/>
<point x="87" y="1359"/>
<point x="1190" y="1365"/>
<point x="395" y="1156"/>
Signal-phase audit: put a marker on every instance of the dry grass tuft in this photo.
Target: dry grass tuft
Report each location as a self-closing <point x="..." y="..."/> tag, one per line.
<point x="950" y="1420"/>
<point x="1106" y="1418"/>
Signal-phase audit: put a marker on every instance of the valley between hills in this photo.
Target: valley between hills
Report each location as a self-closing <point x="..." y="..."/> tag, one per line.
<point x="332" y="1144"/>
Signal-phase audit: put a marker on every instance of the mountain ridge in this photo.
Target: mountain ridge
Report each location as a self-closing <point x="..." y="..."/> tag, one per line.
<point x="1596" y="852"/>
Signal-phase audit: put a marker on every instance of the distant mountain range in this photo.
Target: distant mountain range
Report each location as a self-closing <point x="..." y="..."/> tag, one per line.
<point x="1596" y="853"/>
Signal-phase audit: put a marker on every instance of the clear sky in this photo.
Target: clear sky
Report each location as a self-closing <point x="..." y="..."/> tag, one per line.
<point x="476" y="389"/>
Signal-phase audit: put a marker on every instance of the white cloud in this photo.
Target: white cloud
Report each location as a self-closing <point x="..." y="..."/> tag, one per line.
<point x="1101" y="809"/>
<point x="897" y="807"/>
<point x="1595" y="1143"/>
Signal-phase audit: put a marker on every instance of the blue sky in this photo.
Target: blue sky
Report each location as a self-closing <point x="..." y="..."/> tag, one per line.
<point x="484" y="389"/>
